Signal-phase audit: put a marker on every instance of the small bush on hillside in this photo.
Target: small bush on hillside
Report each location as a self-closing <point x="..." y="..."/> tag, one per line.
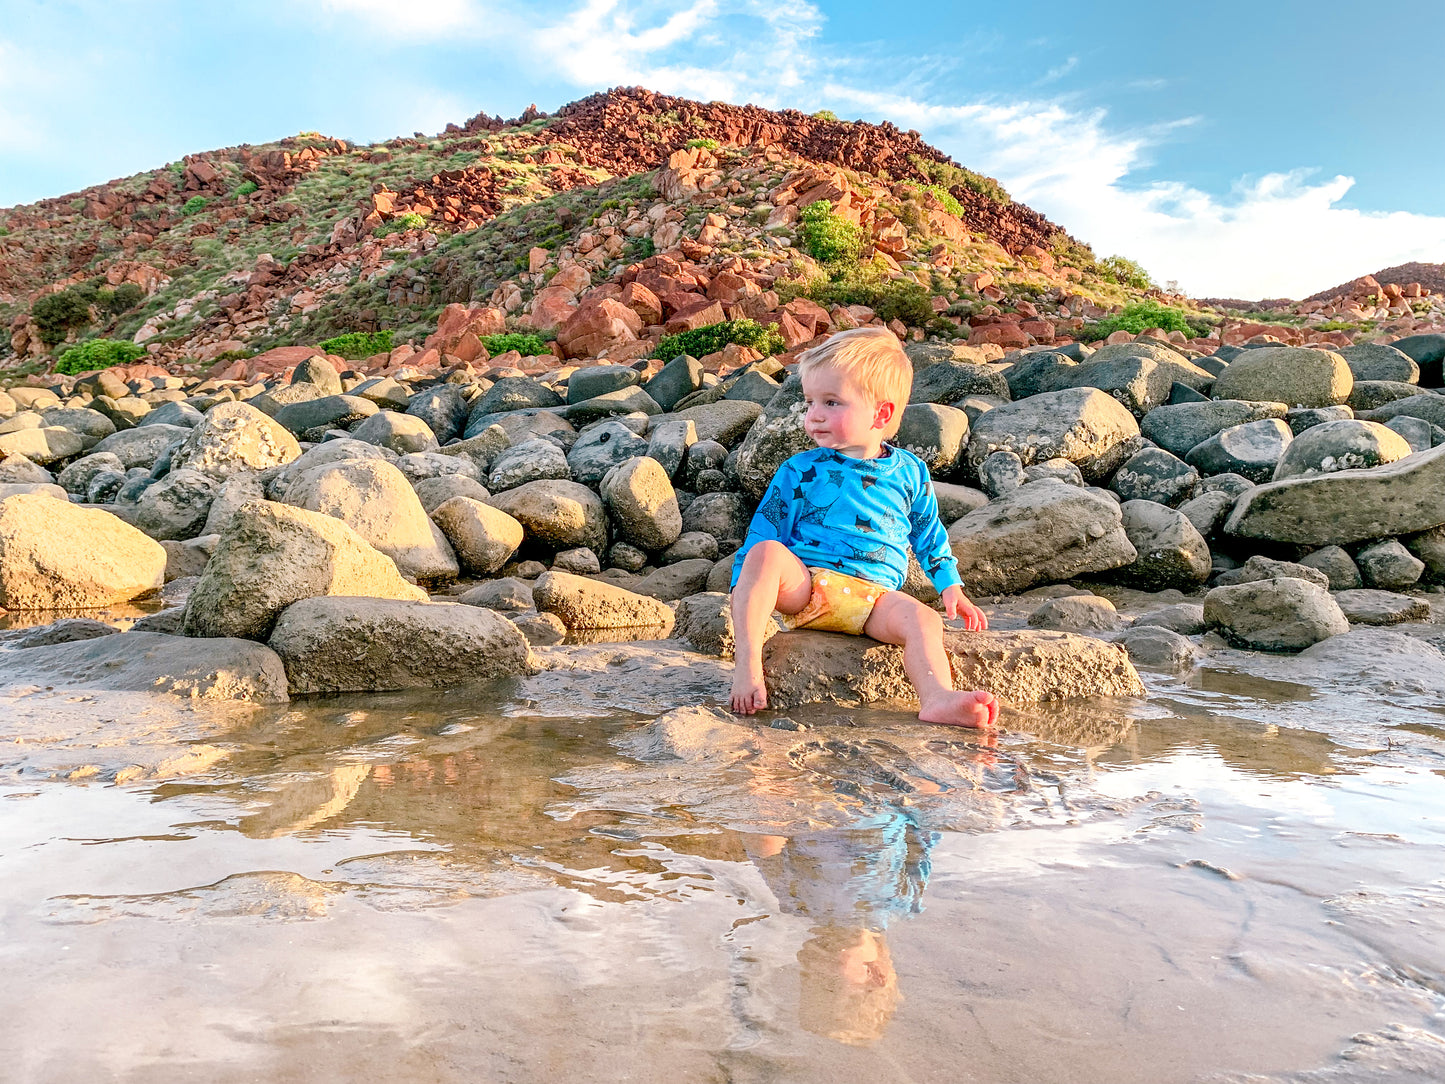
<point x="4" y="231"/>
<point x="890" y="299"/>
<point x="193" y="205"/>
<point x="97" y="354"/>
<point x="57" y="314"/>
<point x="709" y="340"/>
<point x="945" y="197"/>
<point x="400" y="224"/>
<point x="947" y="175"/>
<point x="1070" y="253"/>
<point x="121" y="300"/>
<point x="245" y="188"/>
<point x="825" y="114"/>
<point x="1125" y="272"/>
<point x="704" y="144"/>
<point x="125" y="297"/>
<point x="358" y="344"/>
<point x="639" y="248"/>
<point x="828" y="237"/>
<point x="1141" y="316"/>
<point x="527" y="344"/>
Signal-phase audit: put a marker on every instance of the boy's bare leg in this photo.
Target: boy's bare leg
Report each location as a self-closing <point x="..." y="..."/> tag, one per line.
<point x="901" y="619"/>
<point x="771" y="579"/>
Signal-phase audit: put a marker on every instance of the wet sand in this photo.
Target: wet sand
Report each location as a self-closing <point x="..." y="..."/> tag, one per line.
<point x="539" y="882"/>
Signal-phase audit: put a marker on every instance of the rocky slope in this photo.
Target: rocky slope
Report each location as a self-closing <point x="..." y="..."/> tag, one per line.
<point x="249" y="247"/>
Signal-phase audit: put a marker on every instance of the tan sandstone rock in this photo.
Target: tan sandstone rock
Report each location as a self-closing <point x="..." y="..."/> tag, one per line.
<point x="54" y="555"/>
<point x="1024" y="667"/>
<point x="272" y="555"/>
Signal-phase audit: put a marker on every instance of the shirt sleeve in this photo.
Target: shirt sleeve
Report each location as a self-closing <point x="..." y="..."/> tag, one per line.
<point x="770" y="521"/>
<point x="929" y="539"/>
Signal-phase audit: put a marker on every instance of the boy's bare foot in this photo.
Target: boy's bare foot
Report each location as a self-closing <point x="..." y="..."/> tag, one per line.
<point x="978" y="710"/>
<point x="750" y="691"/>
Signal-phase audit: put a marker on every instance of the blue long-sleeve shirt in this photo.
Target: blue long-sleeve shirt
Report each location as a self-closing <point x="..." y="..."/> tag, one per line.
<point x="857" y="516"/>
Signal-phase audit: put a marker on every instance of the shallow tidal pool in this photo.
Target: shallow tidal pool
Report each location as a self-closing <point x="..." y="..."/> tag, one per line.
<point x="1223" y="883"/>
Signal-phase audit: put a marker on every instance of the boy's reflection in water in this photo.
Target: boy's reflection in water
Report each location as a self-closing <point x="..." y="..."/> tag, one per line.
<point x="852" y="882"/>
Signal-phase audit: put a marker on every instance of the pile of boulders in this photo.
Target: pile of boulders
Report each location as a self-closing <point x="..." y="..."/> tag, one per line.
<point x="427" y="527"/>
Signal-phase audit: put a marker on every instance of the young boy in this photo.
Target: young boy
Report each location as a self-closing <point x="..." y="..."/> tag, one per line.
<point x="828" y="546"/>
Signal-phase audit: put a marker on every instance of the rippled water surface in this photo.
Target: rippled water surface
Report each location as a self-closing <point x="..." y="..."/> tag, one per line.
<point x="525" y="885"/>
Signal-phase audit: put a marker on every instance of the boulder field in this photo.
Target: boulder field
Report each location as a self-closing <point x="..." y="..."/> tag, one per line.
<point x="327" y="530"/>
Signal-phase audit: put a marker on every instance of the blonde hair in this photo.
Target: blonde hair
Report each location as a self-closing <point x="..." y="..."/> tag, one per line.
<point x="872" y="358"/>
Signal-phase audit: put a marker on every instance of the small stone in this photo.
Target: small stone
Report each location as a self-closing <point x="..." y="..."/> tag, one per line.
<point x="1337" y="565"/>
<point x="1185" y="618"/>
<point x="1077" y="613"/>
<point x="1389" y="565"/>
<point x="580" y="562"/>
<point x="692" y="546"/>
<point x="507" y="594"/>
<point x="1001" y="472"/>
<point x="626" y="556"/>
<point x="541" y="630"/>
<point x="1267" y="568"/>
<point x="1159" y="648"/>
<point x="1367" y="607"/>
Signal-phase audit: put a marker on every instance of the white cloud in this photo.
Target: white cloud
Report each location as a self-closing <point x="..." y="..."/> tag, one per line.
<point x="1278" y="235"/>
<point x="416" y="19"/>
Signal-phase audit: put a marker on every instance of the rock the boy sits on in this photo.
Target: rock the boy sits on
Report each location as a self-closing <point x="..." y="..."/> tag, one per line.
<point x="828" y="546"/>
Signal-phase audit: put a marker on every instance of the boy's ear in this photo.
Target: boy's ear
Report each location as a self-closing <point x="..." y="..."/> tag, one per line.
<point x="883" y="414"/>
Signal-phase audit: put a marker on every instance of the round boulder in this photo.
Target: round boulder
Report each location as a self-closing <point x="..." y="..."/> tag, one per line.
<point x="483" y="537"/>
<point x="1274" y="615"/>
<point x="1296" y="375"/>
<point x="375" y="500"/>
<point x="643" y="504"/>
<point x="1251" y="450"/>
<point x="1171" y="552"/>
<point x="1341" y="445"/>
<point x="1086" y="426"/>
<point x="557" y="512"/>
<point x="54" y="555"/>
<point x="230" y="439"/>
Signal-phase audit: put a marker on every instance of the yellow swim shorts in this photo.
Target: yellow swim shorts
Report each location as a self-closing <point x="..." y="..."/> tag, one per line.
<point x="838" y="603"/>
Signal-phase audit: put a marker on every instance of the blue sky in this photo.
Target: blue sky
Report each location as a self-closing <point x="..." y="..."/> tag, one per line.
<point x="1242" y="149"/>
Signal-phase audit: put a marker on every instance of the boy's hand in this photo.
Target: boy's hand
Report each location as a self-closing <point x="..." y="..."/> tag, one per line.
<point x="957" y="604"/>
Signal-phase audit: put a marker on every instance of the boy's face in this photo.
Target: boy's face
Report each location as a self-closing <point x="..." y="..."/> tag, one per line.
<point x="842" y="416"/>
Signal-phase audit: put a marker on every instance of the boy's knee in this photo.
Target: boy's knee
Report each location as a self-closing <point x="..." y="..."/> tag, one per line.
<point x="769" y="549"/>
<point x="927" y="619"/>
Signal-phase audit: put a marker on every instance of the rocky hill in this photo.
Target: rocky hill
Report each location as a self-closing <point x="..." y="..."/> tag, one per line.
<point x="247" y="247"/>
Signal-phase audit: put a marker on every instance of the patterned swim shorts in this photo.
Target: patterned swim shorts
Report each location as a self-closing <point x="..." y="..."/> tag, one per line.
<point x="838" y="603"/>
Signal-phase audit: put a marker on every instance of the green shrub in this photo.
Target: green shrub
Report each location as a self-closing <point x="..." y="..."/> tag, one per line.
<point x="121" y="300"/>
<point x="97" y="354"/>
<point x="947" y="175"/>
<point x="709" y="340"/>
<point x="705" y="144"/>
<point x="890" y="299"/>
<point x="1125" y="272"/>
<point x="356" y="345"/>
<point x="825" y="114"/>
<point x="828" y="237"/>
<point x="4" y="231"/>
<point x="528" y="344"/>
<point x="56" y="314"/>
<point x="408" y="221"/>
<point x="639" y="248"/>
<point x="193" y="205"/>
<point x="945" y="197"/>
<point x="1141" y="316"/>
<point x="245" y="188"/>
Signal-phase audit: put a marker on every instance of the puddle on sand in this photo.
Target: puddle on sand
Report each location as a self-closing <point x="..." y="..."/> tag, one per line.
<point x="401" y="884"/>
